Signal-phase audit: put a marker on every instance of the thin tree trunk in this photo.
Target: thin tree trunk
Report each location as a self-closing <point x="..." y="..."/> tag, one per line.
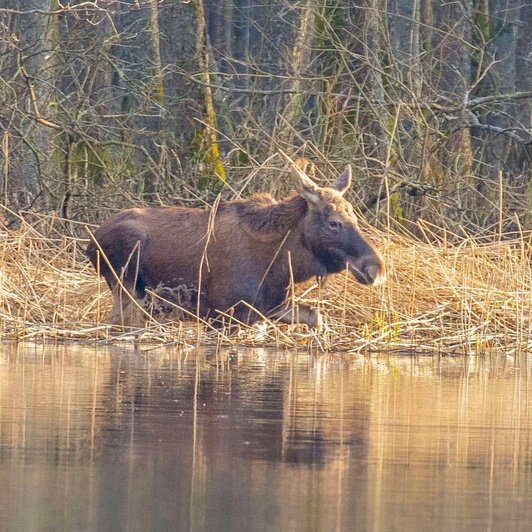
<point x="454" y="68"/>
<point x="299" y="62"/>
<point x="213" y="157"/>
<point x="503" y="78"/>
<point x="37" y="33"/>
<point x="158" y="82"/>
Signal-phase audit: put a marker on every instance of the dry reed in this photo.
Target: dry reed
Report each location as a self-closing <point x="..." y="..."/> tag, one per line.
<point x="468" y="297"/>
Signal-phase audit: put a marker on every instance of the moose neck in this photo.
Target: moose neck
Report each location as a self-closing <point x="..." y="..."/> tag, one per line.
<point x="272" y="219"/>
<point x="303" y="263"/>
<point x="282" y="223"/>
<point x="287" y="219"/>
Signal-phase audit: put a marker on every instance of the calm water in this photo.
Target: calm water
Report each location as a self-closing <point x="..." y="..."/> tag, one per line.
<point x="115" y="439"/>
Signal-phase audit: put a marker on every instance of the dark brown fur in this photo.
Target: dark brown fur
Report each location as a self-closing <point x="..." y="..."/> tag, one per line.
<point x="237" y="253"/>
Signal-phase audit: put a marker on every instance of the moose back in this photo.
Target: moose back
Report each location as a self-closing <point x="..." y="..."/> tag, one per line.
<point x="237" y="259"/>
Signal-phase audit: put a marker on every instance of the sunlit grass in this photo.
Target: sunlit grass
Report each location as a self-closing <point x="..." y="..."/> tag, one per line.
<point x="468" y="298"/>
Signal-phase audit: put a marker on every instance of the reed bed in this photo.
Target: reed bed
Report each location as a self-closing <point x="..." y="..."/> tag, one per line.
<point x="465" y="298"/>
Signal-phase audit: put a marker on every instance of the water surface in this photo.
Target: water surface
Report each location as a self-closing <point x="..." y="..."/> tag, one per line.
<point x="118" y="439"/>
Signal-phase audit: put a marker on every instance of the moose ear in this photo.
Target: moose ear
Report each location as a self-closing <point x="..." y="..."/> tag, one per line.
<point x="305" y="186"/>
<point x="343" y="181"/>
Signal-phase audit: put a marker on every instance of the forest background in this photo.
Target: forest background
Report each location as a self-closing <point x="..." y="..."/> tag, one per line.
<point x="114" y="103"/>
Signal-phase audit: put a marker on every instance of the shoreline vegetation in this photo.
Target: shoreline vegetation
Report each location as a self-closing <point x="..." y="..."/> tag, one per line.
<point x="108" y="105"/>
<point x="443" y="295"/>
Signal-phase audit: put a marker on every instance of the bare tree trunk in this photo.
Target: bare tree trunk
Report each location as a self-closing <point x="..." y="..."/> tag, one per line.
<point x="37" y="34"/>
<point x="240" y="43"/>
<point x="299" y="64"/>
<point x="453" y="67"/>
<point x="213" y="157"/>
<point x="403" y="23"/>
<point x="503" y="80"/>
<point x="157" y="82"/>
<point x="375" y="118"/>
<point x="523" y="69"/>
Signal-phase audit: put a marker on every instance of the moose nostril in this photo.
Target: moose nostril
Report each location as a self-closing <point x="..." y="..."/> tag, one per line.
<point x="375" y="273"/>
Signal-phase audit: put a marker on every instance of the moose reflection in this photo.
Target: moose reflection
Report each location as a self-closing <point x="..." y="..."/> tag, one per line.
<point x="237" y="258"/>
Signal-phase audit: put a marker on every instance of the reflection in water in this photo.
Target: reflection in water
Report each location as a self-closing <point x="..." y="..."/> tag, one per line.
<point x="115" y="439"/>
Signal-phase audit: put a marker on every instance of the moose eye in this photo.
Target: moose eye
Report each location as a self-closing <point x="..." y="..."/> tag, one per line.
<point x="334" y="225"/>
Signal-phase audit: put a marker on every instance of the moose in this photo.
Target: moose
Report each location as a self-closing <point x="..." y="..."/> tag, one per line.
<point x="237" y="259"/>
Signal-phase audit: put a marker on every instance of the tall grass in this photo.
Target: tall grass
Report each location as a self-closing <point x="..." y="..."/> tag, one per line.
<point x="467" y="297"/>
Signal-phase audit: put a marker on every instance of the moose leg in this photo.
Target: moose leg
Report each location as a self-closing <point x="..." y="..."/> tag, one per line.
<point x="125" y="311"/>
<point x="126" y="293"/>
<point x="299" y="314"/>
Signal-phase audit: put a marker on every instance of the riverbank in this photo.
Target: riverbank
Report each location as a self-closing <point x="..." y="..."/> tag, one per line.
<point x="465" y="298"/>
